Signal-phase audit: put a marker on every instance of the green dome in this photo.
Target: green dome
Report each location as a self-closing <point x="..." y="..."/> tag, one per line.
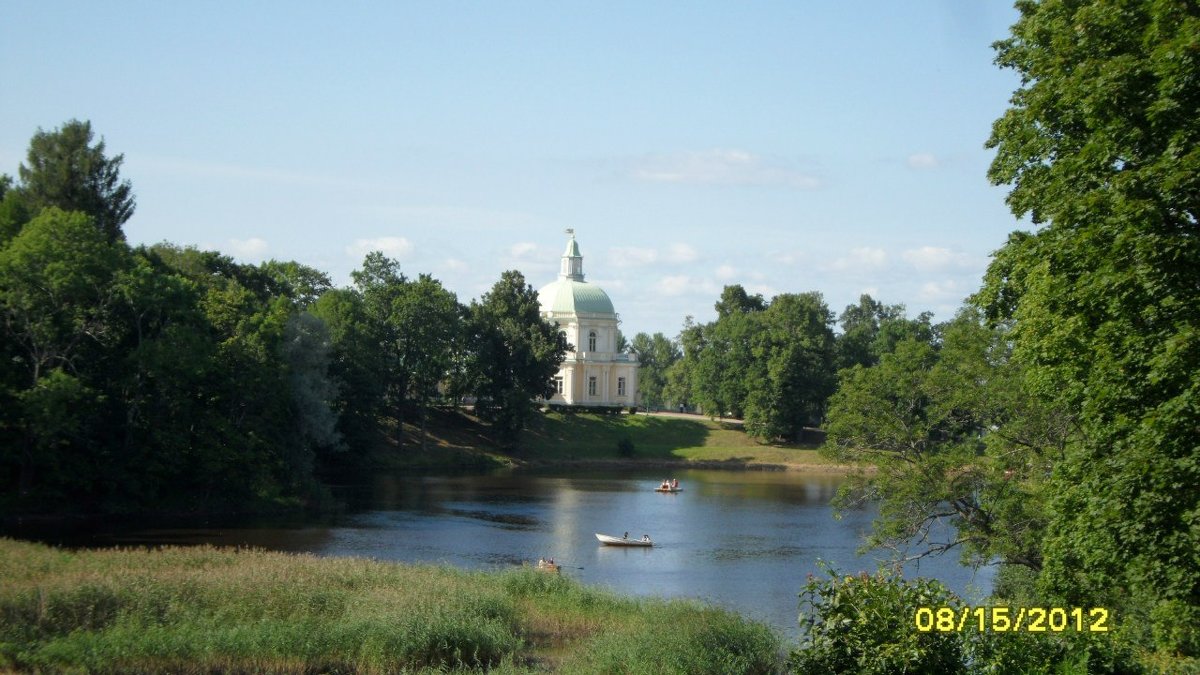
<point x="567" y="296"/>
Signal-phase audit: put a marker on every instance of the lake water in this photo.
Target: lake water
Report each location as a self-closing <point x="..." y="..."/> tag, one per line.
<point x="745" y="540"/>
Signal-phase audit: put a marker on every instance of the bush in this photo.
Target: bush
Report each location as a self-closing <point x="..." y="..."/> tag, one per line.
<point x="625" y="447"/>
<point x="866" y="624"/>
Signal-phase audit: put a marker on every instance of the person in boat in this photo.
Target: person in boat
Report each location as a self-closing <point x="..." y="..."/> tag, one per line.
<point x="645" y="537"/>
<point x="666" y="484"/>
<point x="626" y="536"/>
<point x="675" y="483"/>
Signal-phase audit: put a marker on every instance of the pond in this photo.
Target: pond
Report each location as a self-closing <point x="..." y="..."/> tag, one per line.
<point x="745" y="540"/>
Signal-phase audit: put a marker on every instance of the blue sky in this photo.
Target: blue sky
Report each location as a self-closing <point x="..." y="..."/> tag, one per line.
<point x="785" y="146"/>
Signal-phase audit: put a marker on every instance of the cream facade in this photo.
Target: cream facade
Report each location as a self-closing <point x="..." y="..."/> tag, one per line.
<point x="595" y="374"/>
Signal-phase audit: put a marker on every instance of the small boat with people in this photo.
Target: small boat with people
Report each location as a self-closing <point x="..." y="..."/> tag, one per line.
<point x="544" y="565"/>
<point x="609" y="540"/>
<point x="669" y="486"/>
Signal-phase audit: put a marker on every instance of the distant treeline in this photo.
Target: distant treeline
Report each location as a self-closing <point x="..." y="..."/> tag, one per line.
<point x="176" y="378"/>
<point x="772" y="363"/>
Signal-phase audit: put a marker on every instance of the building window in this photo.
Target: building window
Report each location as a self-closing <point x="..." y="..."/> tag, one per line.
<point x="591" y="341"/>
<point x="592" y="386"/>
<point x="620" y="386"/>
<point x="558" y="387"/>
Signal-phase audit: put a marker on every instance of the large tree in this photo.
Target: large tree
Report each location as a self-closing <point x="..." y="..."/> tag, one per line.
<point x="57" y="323"/>
<point x="656" y="354"/>
<point x="794" y="372"/>
<point x="66" y="170"/>
<point x="515" y="354"/>
<point x="1101" y="146"/>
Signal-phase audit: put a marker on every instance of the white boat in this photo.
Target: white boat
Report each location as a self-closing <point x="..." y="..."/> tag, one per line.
<point x="668" y="489"/>
<point x="624" y="541"/>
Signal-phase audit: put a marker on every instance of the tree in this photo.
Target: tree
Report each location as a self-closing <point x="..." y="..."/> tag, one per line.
<point x="66" y="170"/>
<point x="56" y="306"/>
<point x="860" y="329"/>
<point x="656" y="354"/>
<point x="954" y="441"/>
<point x="794" y="374"/>
<point x="301" y="283"/>
<point x="357" y="366"/>
<point x="515" y="355"/>
<point x="1101" y="146"/>
<point x="428" y="321"/>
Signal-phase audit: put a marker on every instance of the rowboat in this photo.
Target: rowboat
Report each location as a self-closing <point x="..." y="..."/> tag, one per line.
<point x="667" y="489"/>
<point x="547" y="566"/>
<point x="624" y="541"/>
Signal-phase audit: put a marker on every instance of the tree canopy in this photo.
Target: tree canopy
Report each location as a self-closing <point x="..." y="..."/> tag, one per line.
<point x="1101" y="147"/>
<point x="64" y="169"/>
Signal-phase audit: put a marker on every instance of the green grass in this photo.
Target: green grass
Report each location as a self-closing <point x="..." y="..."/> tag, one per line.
<point x="559" y="437"/>
<point x="200" y="610"/>
<point x="456" y="440"/>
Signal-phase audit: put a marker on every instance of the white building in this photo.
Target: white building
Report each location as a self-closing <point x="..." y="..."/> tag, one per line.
<point x="595" y="374"/>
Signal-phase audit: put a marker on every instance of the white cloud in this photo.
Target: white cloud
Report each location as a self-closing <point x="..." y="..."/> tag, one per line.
<point x="393" y="247"/>
<point x="523" y="249"/>
<point x="721" y="167"/>
<point x="765" y="290"/>
<point x="860" y="259"/>
<point x="673" y="286"/>
<point x="786" y="257"/>
<point x="254" y="247"/>
<point x="941" y="291"/>
<point x="454" y="264"/>
<point x="726" y="272"/>
<point x="923" y="160"/>
<point x="681" y="253"/>
<point x="683" y="284"/>
<point x="631" y="256"/>
<point x="934" y="258"/>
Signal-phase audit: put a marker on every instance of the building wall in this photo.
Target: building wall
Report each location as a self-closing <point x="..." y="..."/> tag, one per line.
<point x="603" y="363"/>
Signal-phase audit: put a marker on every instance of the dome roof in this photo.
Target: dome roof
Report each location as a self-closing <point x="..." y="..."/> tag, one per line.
<point x="574" y="297"/>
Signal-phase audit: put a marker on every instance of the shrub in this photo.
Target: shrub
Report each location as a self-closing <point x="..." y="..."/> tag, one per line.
<point x="866" y="624"/>
<point x="625" y="447"/>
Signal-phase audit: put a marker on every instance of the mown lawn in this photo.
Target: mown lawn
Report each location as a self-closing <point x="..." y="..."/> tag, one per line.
<point x="202" y="610"/>
<point x="559" y="437"/>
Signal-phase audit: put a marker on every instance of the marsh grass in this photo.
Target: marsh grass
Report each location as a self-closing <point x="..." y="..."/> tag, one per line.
<point x="201" y="610"/>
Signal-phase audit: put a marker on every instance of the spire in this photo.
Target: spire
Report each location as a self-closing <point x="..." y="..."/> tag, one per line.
<point x="572" y="260"/>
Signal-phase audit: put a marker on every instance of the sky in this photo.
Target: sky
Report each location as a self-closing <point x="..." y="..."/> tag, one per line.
<point x="785" y="146"/>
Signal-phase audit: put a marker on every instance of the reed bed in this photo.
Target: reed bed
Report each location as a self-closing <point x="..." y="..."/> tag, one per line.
<point x="205" y="609"/>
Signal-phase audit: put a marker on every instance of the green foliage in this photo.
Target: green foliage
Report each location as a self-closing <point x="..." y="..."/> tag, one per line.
<point x="866" y="624"/>
<point x="656" y="354"/>
<point x="771" y="364"/>
<point x="954" y="440"/>
<point x="514" y="355"/>
<point x="625" y="447"/>
<point x="860" y="342"/>
<point x="793" y="348"/>
<point x="66" y="171"/>
<point x="1102" y="148"/>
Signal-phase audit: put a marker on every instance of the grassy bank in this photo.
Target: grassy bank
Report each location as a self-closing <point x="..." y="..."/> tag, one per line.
<point x="200" y="610"/>
<point x="456" y="439"/>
